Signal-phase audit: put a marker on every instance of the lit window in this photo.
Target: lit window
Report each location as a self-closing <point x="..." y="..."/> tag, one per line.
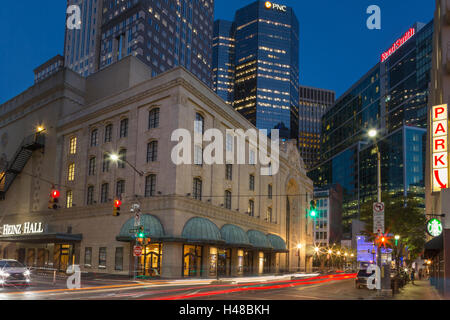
<point x="73" y="145"/>
<point x="71" y="173"/>
<point x="69" y="199"/>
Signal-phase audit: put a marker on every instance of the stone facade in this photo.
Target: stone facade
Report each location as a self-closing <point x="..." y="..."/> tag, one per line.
<point x="68" y="106"/>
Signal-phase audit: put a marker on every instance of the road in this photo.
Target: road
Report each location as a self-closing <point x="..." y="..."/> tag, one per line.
<point x="338" y="286"/>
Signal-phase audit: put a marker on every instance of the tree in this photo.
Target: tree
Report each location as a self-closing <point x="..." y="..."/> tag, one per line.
<point x="403" y="217"/>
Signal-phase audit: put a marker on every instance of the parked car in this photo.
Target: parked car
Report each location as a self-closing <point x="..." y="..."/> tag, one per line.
<point x="12" y="272"/>
<point x="361" y="278"/>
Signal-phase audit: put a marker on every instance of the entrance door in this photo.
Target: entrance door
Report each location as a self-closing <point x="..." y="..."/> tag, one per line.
<point x="248" y="262"/>
<point x="21" y="255"/>
<point x="62" y="256"/>
<point x="192" y="261"/>
<point x="224" y="262"/>
<point x="150" y="261"/>
<point x="30" y="257"/>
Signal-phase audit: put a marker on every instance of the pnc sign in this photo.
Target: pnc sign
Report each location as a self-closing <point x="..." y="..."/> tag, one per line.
<point x="397" y="44"/>
<point x="440" y="147"/>
<point x="273" y="6"/>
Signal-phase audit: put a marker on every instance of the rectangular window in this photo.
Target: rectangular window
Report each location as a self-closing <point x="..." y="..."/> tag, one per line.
<point x="106" y="162"/>
<point x="108" y="133"/>
<point x="122" y="158"/>
<point x="69" y="199"/>
<point x="251" y="208"/>
<point x="102" y="257"/>
<point x="153" y="119"/>
<point x="92" y="166"/>
<point x="120" y="188"/>
<point x="229" y="172"/>
<point x="73" y="145"/>
<point x="88" y="257"/>
<point x="228" y="200"/>
<point x="90" y="196"/>
<point x="152" y="151"/>
<point x="252" y="157"/>
<point x="198" y="155"/>
<point x="118" y="264"/>
<point x="252" y="182"/>
<point x="71" y="172"/>
<point x="150" y="185"/>
<point x="197" y="190"/>
<point x="94" y="138"/>
<point x="269" y="191"/>
<point x="269" y="214"/>
<point x="124" y="128"/>
<point x="104" y="193"/>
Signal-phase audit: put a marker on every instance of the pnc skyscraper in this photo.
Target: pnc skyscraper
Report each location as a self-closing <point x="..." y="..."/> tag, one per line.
<point x="266" y="68"/>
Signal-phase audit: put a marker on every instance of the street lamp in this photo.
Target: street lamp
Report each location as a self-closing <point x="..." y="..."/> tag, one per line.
<point x="114" y="157"/>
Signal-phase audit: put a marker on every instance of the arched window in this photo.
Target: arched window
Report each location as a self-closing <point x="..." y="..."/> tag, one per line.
<point x="124" y="128"/>
<point x="90" y="196"/>
<point x="153" y="118"/>
<point x="108" y="133"/>
<point x="120" y="188"/>
<point x="94" y="138"/>
<point x="122" y="158"/>
<point x="92" y="166"/>
<point x="251" y="208"/>
<point x="104" y="193"/>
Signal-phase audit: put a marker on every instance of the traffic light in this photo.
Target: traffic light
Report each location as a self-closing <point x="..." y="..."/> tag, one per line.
<point x="117" y="204"/>
<point x="312" y="209"/>
<point x="141" y="233"/>
<point x="54" y="199"/>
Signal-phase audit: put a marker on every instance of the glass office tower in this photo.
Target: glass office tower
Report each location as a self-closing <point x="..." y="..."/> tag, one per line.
<point x="162" y="33"/>
<point x="223" y="60"/>
<point x="391" y="97"/>
<point x="266" y="71"/>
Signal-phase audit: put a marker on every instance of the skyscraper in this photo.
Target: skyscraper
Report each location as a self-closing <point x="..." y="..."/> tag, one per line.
<point x="313" y="104"/>
<point x="81" y="46"/>
<point x="223" y="60"/>
<point x="392" y="97"/>
<point x="162" y="33"/>
<point x="266" y="70"/>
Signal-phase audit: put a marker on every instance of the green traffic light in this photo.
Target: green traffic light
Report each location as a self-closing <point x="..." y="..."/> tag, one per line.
<point x="312" y="213"/>
<point x="141" y="235"/>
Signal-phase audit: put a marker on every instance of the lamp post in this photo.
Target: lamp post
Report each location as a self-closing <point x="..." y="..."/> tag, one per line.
<point x="373" y="133"/>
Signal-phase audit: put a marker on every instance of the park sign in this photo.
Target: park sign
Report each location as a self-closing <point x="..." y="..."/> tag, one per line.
<point x="440" y="147"/>
<point x="434" y="227"/>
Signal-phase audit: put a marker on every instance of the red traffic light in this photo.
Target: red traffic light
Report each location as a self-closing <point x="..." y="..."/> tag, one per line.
<point x="383" y="240"/>
<point x="55" y="194"/>
<point x="117" y="203"/>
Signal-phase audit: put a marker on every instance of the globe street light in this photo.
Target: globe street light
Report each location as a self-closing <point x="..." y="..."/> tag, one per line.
<point x="114" y="157"/>
<point x="373" y="133"/>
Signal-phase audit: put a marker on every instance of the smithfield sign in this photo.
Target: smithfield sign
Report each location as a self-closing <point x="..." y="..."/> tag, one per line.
<point x="274" y="6"/>
<point x="25" y="228"/>
<point x="440" y="147"/>
<point x="397" y="44"/>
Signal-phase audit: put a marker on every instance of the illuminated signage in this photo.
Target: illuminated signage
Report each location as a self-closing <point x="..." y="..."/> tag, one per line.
<point x="274" y="6"/>
<point x="434" y="228"/>
<point x="397" y="44"/>
<point x="440" y="147"/>
<point x="25" y="228"/>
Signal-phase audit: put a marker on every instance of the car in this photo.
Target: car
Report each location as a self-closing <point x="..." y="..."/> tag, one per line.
<point x="12" y="272"/>
<point x="361" y="278"/>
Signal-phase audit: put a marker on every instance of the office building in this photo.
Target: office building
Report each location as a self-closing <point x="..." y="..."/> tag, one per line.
<point x="163" y="34"/>
<point x="223" y="60"/>
<point x="328" y="223"/>
<point x="266" y="67"/>
<point x="313" y="104"/>
<point x="392" y="97"/>
<point x="82" y="45"/>
<point x="202" y="220"/>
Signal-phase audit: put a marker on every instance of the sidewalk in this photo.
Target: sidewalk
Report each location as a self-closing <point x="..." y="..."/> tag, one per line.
<point x="421" y="290"/>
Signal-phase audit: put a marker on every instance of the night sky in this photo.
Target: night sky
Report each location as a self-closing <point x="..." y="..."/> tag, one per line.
<point x="336" y="48"/>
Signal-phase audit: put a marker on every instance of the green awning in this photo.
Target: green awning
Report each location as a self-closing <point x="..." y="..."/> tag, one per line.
<point x="259" y="240"/>
<point x="234" y="236"/>
<point x="277" y="243"/>
<point x="201" y="230"/>
<point x="152" y="227"/>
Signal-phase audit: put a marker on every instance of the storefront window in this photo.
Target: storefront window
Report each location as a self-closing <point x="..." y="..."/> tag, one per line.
<point x="212" y="261"/>
<point x="192" y="261"/>
<point x="118" y="265"/>
<point x="102" y="258"/>
<point x="240" y="265"/>
<point x="150" y="260"/>
<point x="261" y="263"/>
<point x="224" y="262"/>
<point x="248" y="262"/>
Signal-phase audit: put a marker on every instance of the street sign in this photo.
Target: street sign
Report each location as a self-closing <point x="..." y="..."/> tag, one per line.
<point x="378" y="217"/>
<point x="137" y="251"/>
<point x="134" y="231"/>
<point x="136" y="209"/>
